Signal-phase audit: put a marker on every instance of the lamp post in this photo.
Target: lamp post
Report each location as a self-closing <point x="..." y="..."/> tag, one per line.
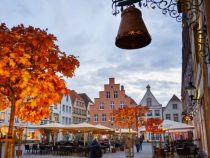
<point x="192" y="91"/>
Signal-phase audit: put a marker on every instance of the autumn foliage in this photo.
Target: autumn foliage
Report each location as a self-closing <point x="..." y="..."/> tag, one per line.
<point x="153" y="125"/>
<point x="130" y="117"/>
<point x="32" y="68"/>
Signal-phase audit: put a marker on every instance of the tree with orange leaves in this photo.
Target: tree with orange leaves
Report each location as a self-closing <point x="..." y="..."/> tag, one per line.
<point x="130" y="116"/>
<point x="32" y="68"/>
<point x="153" y="126"/>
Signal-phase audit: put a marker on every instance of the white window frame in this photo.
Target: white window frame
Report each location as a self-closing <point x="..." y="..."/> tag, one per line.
<point x="122" y="104"/>
<point x="101" y="106"/>
<point x="174" y="105"/>
<point x="103" y="118"/>
<point x="168" y="118"/>
<point x="112" y="105"/>
<point x="107" y="94"/>
<point x="115" y="94"/>
<point x="95" y="117"/>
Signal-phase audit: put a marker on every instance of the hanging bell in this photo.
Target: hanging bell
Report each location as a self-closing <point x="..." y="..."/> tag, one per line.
<point x="132" y="33"/>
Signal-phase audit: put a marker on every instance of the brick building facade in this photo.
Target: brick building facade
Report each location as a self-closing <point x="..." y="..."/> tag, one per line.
<point x="112" y="97"/>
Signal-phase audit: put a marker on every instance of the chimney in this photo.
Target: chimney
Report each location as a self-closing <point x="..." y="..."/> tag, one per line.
<point x="122" y="88"/>
<point x="111" y="80"/>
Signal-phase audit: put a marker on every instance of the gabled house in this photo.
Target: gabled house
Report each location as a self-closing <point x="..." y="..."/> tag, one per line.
<point x="173" y="110"/>
<point x="155" y="108"/>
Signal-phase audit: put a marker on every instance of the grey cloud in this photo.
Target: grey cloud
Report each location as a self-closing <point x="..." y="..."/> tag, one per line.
<point x="88" y="29"/>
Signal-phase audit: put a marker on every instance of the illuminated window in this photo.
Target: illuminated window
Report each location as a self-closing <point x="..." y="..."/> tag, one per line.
<point x="2" y="116"/>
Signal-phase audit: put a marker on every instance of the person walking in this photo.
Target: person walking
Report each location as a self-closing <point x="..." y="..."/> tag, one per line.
<point x="95" y="149"/>
<point x="137" y="143"/>
<point x="141" y="139"/>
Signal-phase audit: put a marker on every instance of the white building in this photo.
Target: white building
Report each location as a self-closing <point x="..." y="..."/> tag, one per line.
<point x="155" y="110"/>
<point x="62" y="113"/>
<point x="173" y="110"/>
<point x="30" y="133"/>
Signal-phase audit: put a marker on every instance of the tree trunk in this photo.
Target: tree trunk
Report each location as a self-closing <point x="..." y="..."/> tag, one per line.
<point x="9" y="144"/>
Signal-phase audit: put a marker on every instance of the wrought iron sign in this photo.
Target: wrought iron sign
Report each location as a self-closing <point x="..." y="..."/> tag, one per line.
<point x="191" y="10"/>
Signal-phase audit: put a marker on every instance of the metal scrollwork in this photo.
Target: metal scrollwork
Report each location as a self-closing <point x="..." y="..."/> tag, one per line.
<point x="178" y="9"/>
<point x="167" y="6"/>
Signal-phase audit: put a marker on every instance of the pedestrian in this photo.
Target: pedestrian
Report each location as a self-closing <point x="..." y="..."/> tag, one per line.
<point x="137" y="143"/>
<point x="95" y="149"/>
<point x="141" y="139"/>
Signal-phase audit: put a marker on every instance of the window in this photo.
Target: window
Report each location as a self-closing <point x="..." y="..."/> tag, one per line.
<point x="149" y="102"/>
<point x="2" y="116"/>
<point x="56" y="118"/>
<point x="63" y="108"/>
<point x="55" y="107"/>
<point x="107" y="94"/>
<point x="103" y="117"/>
<point x="157" y="112"/>
<point x="63" y="120"/>
<point x="115" y="94"/>
<point x="122" y="104"/>
<point x="174" y="106"/>
<point x="111" y="105"/>
<point x="67" y="98"/>
<point x="66" y="120"/>
<point x="176" y="117"/>
<point x="96" y="117"/>
<point x="168" y="116"/>
<point x="16" y="120"/>
<point x="67" y="109"/>
<point x="101" y="106"/>
<point x="149" y="113"/>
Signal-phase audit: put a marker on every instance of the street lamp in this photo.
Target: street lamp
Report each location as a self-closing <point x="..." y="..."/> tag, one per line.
<point x="192" y="91"/>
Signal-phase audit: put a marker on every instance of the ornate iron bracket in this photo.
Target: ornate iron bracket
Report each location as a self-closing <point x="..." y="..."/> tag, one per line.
<point x="178" y="9"/>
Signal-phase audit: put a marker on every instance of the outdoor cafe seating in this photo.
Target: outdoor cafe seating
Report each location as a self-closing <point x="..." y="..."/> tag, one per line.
<point x="62" y="148"/>
<point x="182" y="148"/>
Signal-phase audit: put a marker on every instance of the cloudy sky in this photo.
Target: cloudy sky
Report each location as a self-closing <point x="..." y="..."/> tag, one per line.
<point x="87" y="29"/>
